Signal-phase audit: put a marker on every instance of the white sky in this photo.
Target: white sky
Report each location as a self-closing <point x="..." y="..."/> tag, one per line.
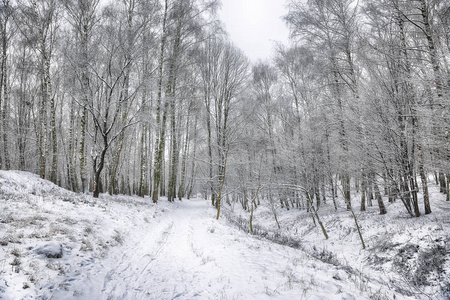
<point x="254" y="25"/>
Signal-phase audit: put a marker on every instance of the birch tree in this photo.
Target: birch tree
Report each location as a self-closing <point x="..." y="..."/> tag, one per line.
<point x="225" y="69"/>
<point x="6" y="11"/>
<point x="82" y="16"/>
<point x="182" y="25"/>
<point x="330" y="27"/>
<point x="38" y="23"/>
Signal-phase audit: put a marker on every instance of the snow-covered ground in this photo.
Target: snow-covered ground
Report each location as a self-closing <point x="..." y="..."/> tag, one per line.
<point x="55" y="244"/>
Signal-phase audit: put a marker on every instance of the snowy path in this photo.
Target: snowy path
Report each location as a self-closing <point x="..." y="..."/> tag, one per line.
<point x="154" y="266"/>
<point x="186" y="254"/>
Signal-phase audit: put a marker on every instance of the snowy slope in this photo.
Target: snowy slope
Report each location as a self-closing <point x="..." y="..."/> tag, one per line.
<point x="405" y="257"/>
<point x="128" y="248"/>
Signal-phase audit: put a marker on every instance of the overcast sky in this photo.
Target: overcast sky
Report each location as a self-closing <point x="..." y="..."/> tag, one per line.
<point x="253" y="25"/>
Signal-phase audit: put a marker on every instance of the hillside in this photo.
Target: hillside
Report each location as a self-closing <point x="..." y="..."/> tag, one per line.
<point x="55" y="244"/>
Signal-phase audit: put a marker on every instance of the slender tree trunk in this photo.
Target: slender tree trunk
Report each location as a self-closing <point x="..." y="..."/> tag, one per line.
<point x="210" y="153"/>
<point x="359" y="230"/>
<point x="54" y="170"/>
<point x="4" y="95"/>
<point x="173" y="167"/>
<point x="272" y="208"/>
<point x="162" y="186"/>
<point x="72" y="153"/>
<point x="124" y="95"/>
<point x="219" y="196"/>
<point x="113" y="181"/>
<point x="345" y="176"/>
<point x="448" y="187"/>
<point x="423" y="178"/>
<point x="405" y="194"/>
<point x="2" y="84"/>
<point x="191" y="183"/>
<point x="363" y="190"/>
<point x="181" y="190"/>
<point x="442" y="183"/>
<point x="378" y="195"/>
<point x="160" y="124"/>
<point x="252" y="207"/>
<point x="99" y="163"/>
<point x="314" y="211"/>
<point x="330" y="174"/>
<point x="170" y="91"/>
<point x="43" y="116"/>
<point x="85" y="94"/>
<point x="412" y="175"/>
<point x="23" y="113"/>
<point x="82" y="151"/>
<point x="5" y="123"/>
<point x="143" y="187"/>
<point x="414" y="194"/>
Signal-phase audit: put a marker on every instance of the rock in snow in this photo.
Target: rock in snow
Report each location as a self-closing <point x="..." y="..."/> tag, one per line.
<point x="50" y="250"/>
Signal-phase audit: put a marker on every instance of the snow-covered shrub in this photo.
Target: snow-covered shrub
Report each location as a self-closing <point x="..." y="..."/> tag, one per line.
<point x="446" y="289"/>
<point x="88" y="230"/>
<point x="16" y="252"/>
<point x="16" y="264"/>
<point x="86" y="245"/>
<point x="430" y="266"/>
<point x="325" y="255"/>
<point x="404" y="259"/>
<point x="118" y="237"/>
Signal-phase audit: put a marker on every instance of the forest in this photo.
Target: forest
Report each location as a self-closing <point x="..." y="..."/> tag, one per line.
<point x="151" y="98"/>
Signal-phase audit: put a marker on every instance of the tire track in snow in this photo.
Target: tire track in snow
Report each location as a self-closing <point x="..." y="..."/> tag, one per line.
<point x="122" y="280"/>
<point x="180" y="258"/>
<point x="175" y="278"/>
<point x="162" y="243"/>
